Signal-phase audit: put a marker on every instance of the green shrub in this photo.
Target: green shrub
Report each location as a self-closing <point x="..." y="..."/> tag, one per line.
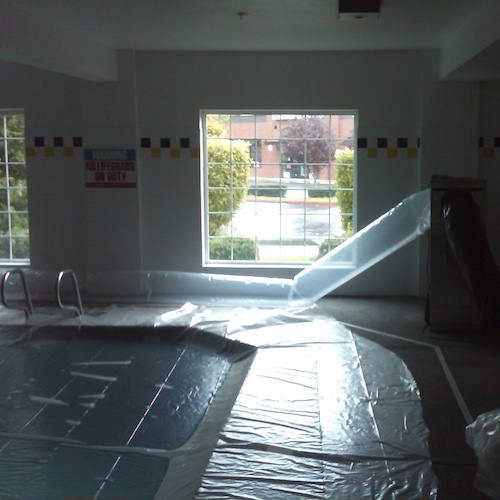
<point x="345" y="173"/>
<point x="243" y="249"/>
<point x="328" y="245"/>
<point x="270" y="191"/>
<point x="321" y="193"/>
<point x="228" y="167"/>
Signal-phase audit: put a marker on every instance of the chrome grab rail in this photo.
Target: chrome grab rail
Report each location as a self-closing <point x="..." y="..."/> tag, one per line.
<point x="28" y="310"/>
<point x="79" y="307"/>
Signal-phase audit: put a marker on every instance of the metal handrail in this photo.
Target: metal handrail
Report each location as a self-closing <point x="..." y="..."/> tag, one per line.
<point x="28" y="309"/>
<point x="79" y="307"/>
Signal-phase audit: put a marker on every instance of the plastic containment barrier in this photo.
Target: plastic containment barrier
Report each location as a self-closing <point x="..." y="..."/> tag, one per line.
<point x="469" y="244"/>
<point x="160" y="402"/>
<point x="483" y="436"/>
<point x="138" y="398"/>
<point x="405" y="222"/>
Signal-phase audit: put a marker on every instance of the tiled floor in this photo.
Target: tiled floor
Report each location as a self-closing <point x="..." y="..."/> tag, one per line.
<point x="449" y="398"/>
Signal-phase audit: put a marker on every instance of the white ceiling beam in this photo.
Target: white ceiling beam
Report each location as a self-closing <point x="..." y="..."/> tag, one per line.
<point x="473" y="41"/>
<point x="39" y="42"/>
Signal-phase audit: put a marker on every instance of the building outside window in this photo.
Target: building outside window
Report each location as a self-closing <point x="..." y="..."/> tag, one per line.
<point x="14" y="230"/>
<point x="278" y="187"/>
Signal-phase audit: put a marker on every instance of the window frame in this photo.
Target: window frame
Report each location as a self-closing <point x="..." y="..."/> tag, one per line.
<point x="5" y="161"/>
<point x="204" y="184"/>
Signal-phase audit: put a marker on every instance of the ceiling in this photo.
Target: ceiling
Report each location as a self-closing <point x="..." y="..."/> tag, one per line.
<point x="82" y="37"/>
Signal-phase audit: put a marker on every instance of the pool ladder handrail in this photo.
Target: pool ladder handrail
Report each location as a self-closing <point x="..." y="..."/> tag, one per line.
<point x="79" y="307"/>
<point x="28" y="309"/>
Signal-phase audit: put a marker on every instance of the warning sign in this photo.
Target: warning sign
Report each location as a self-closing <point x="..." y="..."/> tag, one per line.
<point x="111" y="168"/>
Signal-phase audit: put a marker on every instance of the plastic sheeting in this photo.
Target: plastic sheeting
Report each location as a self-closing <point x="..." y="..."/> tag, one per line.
<point x="467" y="239"/>
<point x="483" y="436"/>
<point x="405" y="222"/>
<point x="322" y="413"/>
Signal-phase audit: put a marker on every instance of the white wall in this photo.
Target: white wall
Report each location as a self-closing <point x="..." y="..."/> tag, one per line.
<point x="112" y="216"/>
<point x="52" y="105"/>
<point x="384" y="88"/>
<point x="489" y="158"/>
<point x="159" y="95"/>
<point x="450" y="128"/>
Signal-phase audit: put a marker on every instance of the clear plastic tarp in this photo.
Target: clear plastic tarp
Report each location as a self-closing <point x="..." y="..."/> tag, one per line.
<point x="483" y="436"/>
<point x="280" y="403"/>
<point x="265" y="397"/>
<point x="405" y="222"/>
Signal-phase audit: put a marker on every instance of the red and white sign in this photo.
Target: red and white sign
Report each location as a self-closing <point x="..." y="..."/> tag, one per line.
<point x="111" y="168"/>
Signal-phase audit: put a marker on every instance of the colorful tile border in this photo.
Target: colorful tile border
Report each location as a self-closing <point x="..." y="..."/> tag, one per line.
<point x="489" y="148"/>
<point x="398" y="148"/>
<point x="164" y="147"/>
<point x="50" y="147"/>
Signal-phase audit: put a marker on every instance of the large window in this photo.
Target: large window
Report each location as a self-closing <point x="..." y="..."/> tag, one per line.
<point x="278" y="187"/>
<point x="14" y="233"/>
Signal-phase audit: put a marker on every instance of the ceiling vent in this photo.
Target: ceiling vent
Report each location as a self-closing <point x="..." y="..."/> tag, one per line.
<point x="359" y="9"/>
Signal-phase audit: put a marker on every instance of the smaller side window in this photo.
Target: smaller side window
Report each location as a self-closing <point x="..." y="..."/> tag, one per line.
<point x="14" y="230"/>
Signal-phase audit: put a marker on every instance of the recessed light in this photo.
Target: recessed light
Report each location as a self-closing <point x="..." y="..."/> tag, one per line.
<point x="359" y="9"/>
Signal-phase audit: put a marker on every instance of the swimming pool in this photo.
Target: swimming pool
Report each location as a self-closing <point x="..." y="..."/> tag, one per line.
<point x="105" y="412"/>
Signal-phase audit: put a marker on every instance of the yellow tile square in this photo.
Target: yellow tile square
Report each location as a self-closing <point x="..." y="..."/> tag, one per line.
<point x="48" y="151"/>
<point x="175" y="152"/>
<point x="412" y="152"/>
<point x="68" y="152"/>
<point x="392" y="153"/>
<point x="155" y="153"/>
<point x="194" y="152"/>
<point x="30" y="151"/>
<point x="488" y="152"/>
<point x="371" y="152"/>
